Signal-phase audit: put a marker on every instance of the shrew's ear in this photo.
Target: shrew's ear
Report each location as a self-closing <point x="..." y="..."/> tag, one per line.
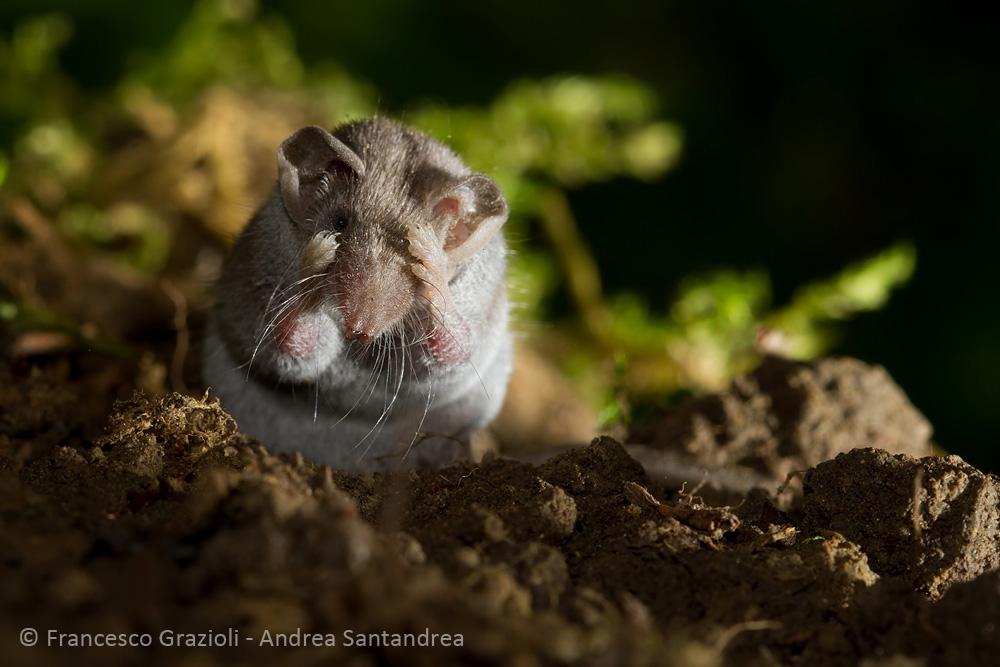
<point x="309" y="162"/>
<point x="473" y="210"/>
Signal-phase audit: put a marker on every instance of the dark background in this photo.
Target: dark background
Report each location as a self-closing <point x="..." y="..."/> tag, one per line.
<point x="816" y="134"/>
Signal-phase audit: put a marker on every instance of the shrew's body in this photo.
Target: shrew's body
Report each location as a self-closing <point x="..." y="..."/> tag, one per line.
<point x="362" y="315"/>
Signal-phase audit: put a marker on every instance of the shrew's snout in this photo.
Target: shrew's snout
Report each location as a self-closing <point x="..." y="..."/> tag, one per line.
<point x="354" y="330"/>
<point x="376" y="290"/>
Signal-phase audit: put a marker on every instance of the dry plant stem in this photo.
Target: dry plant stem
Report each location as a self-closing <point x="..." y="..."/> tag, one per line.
<point x="183" y="343"/>
<point x="577" y="262"/>
<point x="691" y="511"/>
<point x="40" y="229"/>
<point x="730" y="633"/>
<point x="33" y="315"/>
<point x="651" y="371"/>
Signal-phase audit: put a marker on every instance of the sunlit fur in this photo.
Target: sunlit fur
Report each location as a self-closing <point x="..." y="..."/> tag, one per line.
<point x="389" y="403"/>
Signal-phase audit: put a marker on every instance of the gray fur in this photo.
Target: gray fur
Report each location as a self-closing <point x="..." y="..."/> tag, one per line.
<point x="298" y="402"/>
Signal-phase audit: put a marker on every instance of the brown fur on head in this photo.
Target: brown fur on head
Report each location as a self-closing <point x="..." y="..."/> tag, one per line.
<point x="389" y="214"/>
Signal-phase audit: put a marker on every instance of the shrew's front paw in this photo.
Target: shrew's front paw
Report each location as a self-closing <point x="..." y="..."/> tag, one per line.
<point x="448" y="335"/>
<point x="306" y="342"/>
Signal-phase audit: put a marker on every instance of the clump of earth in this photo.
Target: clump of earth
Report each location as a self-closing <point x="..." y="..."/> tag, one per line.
<point x="798" y="517"/>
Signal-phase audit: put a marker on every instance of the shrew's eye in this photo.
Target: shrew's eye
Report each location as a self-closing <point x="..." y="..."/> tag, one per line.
<point x="339" y="224"/>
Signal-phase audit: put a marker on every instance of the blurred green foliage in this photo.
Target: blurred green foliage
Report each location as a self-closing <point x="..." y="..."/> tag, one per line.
<point x="538" y="138"/>
<point x="226" y="43"/>
<point x="29" y="75"/>
<point x="136" y="235"/>
<point x="866" y="286"/>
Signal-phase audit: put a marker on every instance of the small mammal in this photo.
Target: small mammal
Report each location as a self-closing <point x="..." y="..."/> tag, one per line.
<point x="361" y="316"/>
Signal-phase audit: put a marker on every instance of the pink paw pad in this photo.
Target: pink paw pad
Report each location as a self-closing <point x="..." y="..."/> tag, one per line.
<point x="295" y="336"/>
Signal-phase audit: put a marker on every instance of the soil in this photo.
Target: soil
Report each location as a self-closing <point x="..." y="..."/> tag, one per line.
<point x="163" y="515"/>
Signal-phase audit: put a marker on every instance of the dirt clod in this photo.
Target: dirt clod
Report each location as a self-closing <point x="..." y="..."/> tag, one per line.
<point x="933" y="521"/>
<point x="789" y="416"/>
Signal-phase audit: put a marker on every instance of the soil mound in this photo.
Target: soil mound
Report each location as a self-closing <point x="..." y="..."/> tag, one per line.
<point x="173" y="519"/>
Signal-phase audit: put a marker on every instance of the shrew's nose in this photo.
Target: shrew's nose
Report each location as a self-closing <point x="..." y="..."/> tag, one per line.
<point x="354" y="331"/>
